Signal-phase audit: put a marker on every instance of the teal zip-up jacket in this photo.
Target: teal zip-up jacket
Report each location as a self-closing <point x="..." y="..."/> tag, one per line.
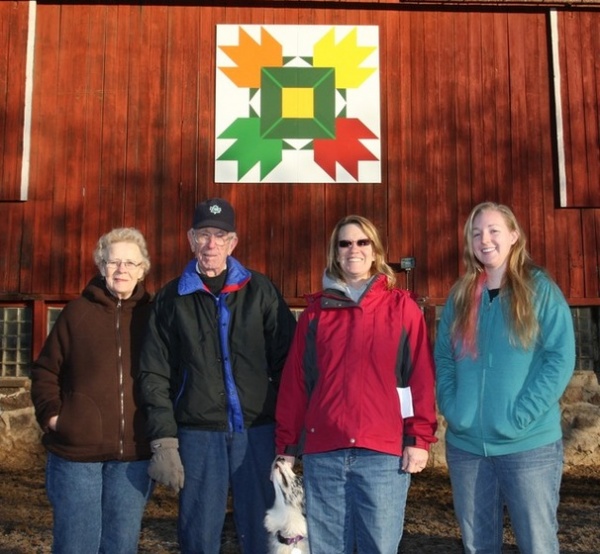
<point x="506" y="399"/>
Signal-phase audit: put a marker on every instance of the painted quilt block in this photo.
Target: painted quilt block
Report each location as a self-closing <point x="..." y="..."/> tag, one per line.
<point x="297" y="104"/>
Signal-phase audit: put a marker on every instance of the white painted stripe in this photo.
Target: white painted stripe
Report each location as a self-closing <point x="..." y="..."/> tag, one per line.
<point x="28" y="100"/>
<point x="558" y="114"/>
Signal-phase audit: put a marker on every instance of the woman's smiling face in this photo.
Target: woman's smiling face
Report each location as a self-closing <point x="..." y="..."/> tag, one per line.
<point x="120" y="281"/>
<point x="492" y="240"/>
<point x="355" y="256"/>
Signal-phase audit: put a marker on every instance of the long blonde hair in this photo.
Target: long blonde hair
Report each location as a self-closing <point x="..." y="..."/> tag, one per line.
<point x="379" y="264"/>
<point x="517" y="286"/>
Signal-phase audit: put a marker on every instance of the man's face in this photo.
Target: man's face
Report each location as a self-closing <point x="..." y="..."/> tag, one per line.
<point x="211" y="246"/>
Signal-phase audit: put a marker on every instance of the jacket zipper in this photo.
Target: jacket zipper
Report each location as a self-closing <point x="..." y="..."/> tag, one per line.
<point x="120" y="371"/>
<point x="486" y="360"/>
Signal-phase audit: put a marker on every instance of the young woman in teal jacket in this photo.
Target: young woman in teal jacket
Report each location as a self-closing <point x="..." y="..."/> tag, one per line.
<point x="504" y="353"/>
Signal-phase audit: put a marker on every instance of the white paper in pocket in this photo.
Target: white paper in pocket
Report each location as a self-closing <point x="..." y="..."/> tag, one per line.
<point x="406" y="403"/>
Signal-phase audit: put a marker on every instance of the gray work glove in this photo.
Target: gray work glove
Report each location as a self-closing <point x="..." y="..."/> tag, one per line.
<point x="165" y="466"/>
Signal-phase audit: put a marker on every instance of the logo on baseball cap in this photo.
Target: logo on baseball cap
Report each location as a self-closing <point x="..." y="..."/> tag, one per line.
<point x="214" y="212"/>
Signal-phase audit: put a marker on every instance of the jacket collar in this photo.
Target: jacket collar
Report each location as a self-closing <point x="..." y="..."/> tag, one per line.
<point x="191" y="281"/>
<point x="96" y="291"/>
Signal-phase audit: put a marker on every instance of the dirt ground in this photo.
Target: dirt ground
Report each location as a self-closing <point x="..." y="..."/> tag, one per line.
<point x="25" y="516"/>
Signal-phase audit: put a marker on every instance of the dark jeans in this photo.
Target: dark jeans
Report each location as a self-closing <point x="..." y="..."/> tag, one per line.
<point x="213" y="461"/>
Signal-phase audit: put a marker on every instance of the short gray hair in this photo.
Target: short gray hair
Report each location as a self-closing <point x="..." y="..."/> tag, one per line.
<point x="122" y="234"/>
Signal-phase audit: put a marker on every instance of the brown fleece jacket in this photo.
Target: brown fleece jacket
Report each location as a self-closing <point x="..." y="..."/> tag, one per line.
<point x="86" y="373"/>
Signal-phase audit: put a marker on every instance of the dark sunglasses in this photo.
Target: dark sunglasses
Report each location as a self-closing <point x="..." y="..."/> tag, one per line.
<point x="361" y="243"/>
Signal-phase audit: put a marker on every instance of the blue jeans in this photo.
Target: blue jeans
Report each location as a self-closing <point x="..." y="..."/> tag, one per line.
<point x="527" y="483"/>
<point x="97" y="506"/>
<point x="355" y="498"/>
<point x="213" y="461"/>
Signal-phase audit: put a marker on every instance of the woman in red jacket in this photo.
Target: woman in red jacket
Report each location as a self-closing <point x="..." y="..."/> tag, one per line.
<point x="83" y="392"/>
<point x="356" y="399"/>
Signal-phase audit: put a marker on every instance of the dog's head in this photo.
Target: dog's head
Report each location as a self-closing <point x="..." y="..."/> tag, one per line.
<point x="288" y="485"/>
<point x="285" y="520"/>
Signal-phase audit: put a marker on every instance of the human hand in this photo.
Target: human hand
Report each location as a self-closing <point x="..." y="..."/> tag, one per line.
<point x="289" y="460"/>
<point x="414" y="459"/>
<point x="165" y="466"/>
<point x="52" y="423"/>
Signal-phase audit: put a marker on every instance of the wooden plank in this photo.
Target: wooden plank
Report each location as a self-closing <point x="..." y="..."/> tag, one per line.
<point x="107" y="182"/>
<point x="12" y="218"/>
<point x="561" y="243"/>
<point x="590" y="37"/>
<point x="13" y="44"/>
<point x="377" y="193"/>
<point x="188" y="141"/>
<point x="544" y="189"/>
<point x="478" y="46"/>
<point x="536" y="145"/>
<point x="392" y="37"/>
<point x="591" y="251"/>
<point x="103" y="128"/>
<point x="177" y="77"/>
<point x="566" y="43"/>
<point x="573" y="42"/>
<point x="83" y="169"/>
<point x="8" y="189"/>
<point x="467" y="41"/>
<point x="437" y="103"/>
<point x="518" y="120"/>
<point x="575" y="255"/>
<point x="413" y="85"/>
<point x="81" y="80"/>
<point x="500" y="157"/>
<point x="69" y="101"/>
<point x="35" y="261"/>
<point x="493" y="36"/>
<point x="143" y="188"/>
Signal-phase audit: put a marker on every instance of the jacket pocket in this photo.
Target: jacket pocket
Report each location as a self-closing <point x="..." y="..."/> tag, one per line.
<point x="79" y="422"/>
<point x="501" y="422"/>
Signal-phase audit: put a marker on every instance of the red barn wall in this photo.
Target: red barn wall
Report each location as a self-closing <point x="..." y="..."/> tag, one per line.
<point x="123" y="134"/>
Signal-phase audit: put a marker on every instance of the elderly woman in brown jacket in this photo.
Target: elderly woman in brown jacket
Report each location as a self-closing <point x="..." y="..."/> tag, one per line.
<point x="83" y="392"/>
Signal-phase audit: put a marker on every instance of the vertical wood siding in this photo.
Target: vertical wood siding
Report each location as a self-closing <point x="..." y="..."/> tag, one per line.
<point x="13" y="46"/>
<point x="123" y="134"/>
<point x="579" y="41"/>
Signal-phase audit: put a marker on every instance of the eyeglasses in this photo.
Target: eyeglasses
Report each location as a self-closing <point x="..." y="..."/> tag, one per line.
<point x="129" y="265"/>
<point x="220" y="238"/>
<point x="361" y="243"/>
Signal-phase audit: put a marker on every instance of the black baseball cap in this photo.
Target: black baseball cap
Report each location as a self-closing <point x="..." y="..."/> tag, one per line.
<point x="214" y="212"/>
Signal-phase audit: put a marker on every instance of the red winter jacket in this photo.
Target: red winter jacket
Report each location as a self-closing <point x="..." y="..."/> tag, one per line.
<point x="339" y="384"/>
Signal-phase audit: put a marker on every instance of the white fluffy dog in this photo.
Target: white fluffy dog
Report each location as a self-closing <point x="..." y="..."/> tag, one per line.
<point x="286" y="521"/>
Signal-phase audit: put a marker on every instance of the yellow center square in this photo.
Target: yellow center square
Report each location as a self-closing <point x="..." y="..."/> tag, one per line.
<point x="297" y="103"/>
